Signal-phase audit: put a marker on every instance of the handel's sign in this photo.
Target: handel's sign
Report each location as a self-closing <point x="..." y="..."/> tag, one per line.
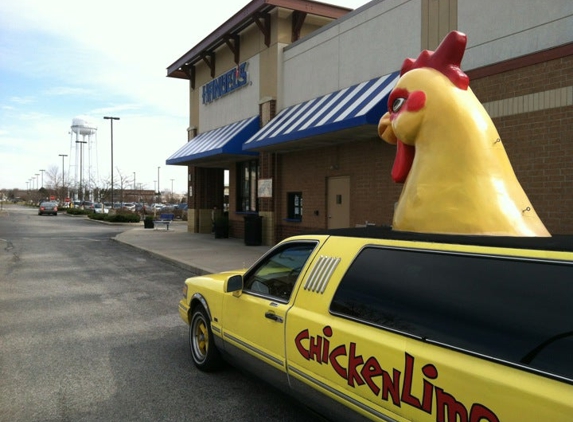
<point x="225" y="84"/>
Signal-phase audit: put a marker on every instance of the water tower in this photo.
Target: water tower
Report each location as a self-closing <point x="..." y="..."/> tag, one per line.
<point x="81" y="155"/>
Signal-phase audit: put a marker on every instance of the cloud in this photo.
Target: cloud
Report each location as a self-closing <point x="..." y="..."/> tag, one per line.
<point x="69" y="91"/>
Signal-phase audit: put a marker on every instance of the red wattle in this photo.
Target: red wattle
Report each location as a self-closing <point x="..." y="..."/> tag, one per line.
<point x="403" y="161"/>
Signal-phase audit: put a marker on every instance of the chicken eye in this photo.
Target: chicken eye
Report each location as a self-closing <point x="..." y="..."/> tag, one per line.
<point x="397" y="104"/>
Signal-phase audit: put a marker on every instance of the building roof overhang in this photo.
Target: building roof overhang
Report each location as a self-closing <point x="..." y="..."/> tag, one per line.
<point x="254" y="13"/>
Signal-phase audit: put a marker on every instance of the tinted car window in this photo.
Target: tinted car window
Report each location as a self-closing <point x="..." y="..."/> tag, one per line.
<point x="516" y="310"/>
<point x="277" y="273"/>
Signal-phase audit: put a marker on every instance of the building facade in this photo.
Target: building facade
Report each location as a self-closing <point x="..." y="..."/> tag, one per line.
<point x="285" y="97"/>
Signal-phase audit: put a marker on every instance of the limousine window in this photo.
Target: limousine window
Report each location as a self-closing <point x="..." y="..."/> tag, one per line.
<point x="277" y="273"/>
<point x="520" y="311"/>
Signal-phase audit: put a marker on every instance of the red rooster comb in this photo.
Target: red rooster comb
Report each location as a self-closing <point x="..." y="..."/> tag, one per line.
<point x="446" y="59"/>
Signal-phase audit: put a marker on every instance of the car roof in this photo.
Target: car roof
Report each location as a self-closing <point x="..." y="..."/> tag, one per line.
<point x="553" y="243"/>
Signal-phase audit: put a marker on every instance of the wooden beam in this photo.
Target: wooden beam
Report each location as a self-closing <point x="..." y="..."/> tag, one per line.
<point x="209" y="59"/>
<point x="297" y="22"/>
<point x="263" y="21"/>
<point x="190" y="72"/>
<point x="233" y="41"/>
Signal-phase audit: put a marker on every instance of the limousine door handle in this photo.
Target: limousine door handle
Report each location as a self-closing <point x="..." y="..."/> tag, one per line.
<point x="273" y="316"/>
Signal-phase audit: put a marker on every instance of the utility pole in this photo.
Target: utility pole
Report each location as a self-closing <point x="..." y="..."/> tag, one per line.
<point x="158" y="186"/>
<point x="111" y="119"/>
<point x="63" y="175"/>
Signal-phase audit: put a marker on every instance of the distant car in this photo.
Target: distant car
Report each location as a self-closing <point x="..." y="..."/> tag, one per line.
<point x="48" y="207"/>
<point x="87" y="205"/>
<point x="100" y="208"/>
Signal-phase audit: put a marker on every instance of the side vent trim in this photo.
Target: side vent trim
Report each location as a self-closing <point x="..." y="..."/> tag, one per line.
<point x="321" y="273"/>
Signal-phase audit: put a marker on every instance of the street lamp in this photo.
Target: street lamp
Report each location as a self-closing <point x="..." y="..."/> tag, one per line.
<point x="158" y="184"/>
<point x="111" y="119"/>
<point x="42" y="170"/>
<point x="81" y="167"/>
<point x="63" y="176"/>
<point x="172" y="189"/>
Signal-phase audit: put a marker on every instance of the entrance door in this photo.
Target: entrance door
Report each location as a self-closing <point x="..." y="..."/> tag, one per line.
<point x="338" y="202"/>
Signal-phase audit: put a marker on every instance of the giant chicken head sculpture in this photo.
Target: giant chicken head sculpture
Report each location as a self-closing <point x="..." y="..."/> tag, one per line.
<point x="456" y="174"/>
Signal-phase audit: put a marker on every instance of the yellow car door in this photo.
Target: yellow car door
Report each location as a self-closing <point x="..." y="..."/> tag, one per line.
<point x="253" y="321"/>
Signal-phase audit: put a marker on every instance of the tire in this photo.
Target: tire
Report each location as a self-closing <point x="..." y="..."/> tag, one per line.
<point x="204" y="353"/>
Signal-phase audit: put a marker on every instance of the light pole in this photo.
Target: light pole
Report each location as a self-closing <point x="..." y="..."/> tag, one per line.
<point x="111" y="119"/>
<point x="172" y="190"/>
<point x="63" y="176"/>
<point x="42" y="170"/>
<point x="158" y="185"/>
<point x="81" y="168"/>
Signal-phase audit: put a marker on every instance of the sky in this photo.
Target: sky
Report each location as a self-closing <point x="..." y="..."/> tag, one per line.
<point x="64" y="59"/>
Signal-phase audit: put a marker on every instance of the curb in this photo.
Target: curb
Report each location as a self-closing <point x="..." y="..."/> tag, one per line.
<point x="188" y="267"/>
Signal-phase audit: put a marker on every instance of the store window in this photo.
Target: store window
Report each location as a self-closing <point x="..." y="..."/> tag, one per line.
<point x="294" y="206"/>
<point x="247" y="190"/>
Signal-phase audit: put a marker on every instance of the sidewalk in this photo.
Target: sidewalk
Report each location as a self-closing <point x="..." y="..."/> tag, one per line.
<point x="200" y="253"/>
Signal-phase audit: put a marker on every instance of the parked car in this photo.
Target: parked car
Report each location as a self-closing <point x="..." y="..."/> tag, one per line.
<point x="87" y="205"/>
<point x="374" y="324"/>
<point x="48" y="207"/>
<point x="100" y="208"/>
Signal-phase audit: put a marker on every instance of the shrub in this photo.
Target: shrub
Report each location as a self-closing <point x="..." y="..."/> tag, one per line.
<point x="118" y="217"/>
<point x="123" y="218"/>
<point x="77" y="211"/>
<point x="96" y="216"/>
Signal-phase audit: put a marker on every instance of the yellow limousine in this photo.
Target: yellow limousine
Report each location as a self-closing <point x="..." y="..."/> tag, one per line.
<point x="372" y="324"/>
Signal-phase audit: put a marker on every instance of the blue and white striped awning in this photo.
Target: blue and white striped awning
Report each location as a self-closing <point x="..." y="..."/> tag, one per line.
<point x="358" y="105"/>
<point x="217" y="144"/>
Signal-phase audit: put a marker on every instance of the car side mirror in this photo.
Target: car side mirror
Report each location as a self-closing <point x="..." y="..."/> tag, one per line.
<point x="233" y="284"/>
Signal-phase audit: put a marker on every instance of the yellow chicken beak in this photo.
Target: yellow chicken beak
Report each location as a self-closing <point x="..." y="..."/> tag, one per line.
<point x="385" y="130"/>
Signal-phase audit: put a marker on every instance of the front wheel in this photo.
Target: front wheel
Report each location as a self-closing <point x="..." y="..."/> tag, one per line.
<point x="205" y="355"/>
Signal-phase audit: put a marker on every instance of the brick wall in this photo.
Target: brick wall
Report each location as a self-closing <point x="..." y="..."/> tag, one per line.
<point x="552" y="74"/>
<point x="372" y="191"/>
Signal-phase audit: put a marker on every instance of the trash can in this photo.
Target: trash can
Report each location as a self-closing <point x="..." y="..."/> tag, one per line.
<point x="253" y="230"/>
